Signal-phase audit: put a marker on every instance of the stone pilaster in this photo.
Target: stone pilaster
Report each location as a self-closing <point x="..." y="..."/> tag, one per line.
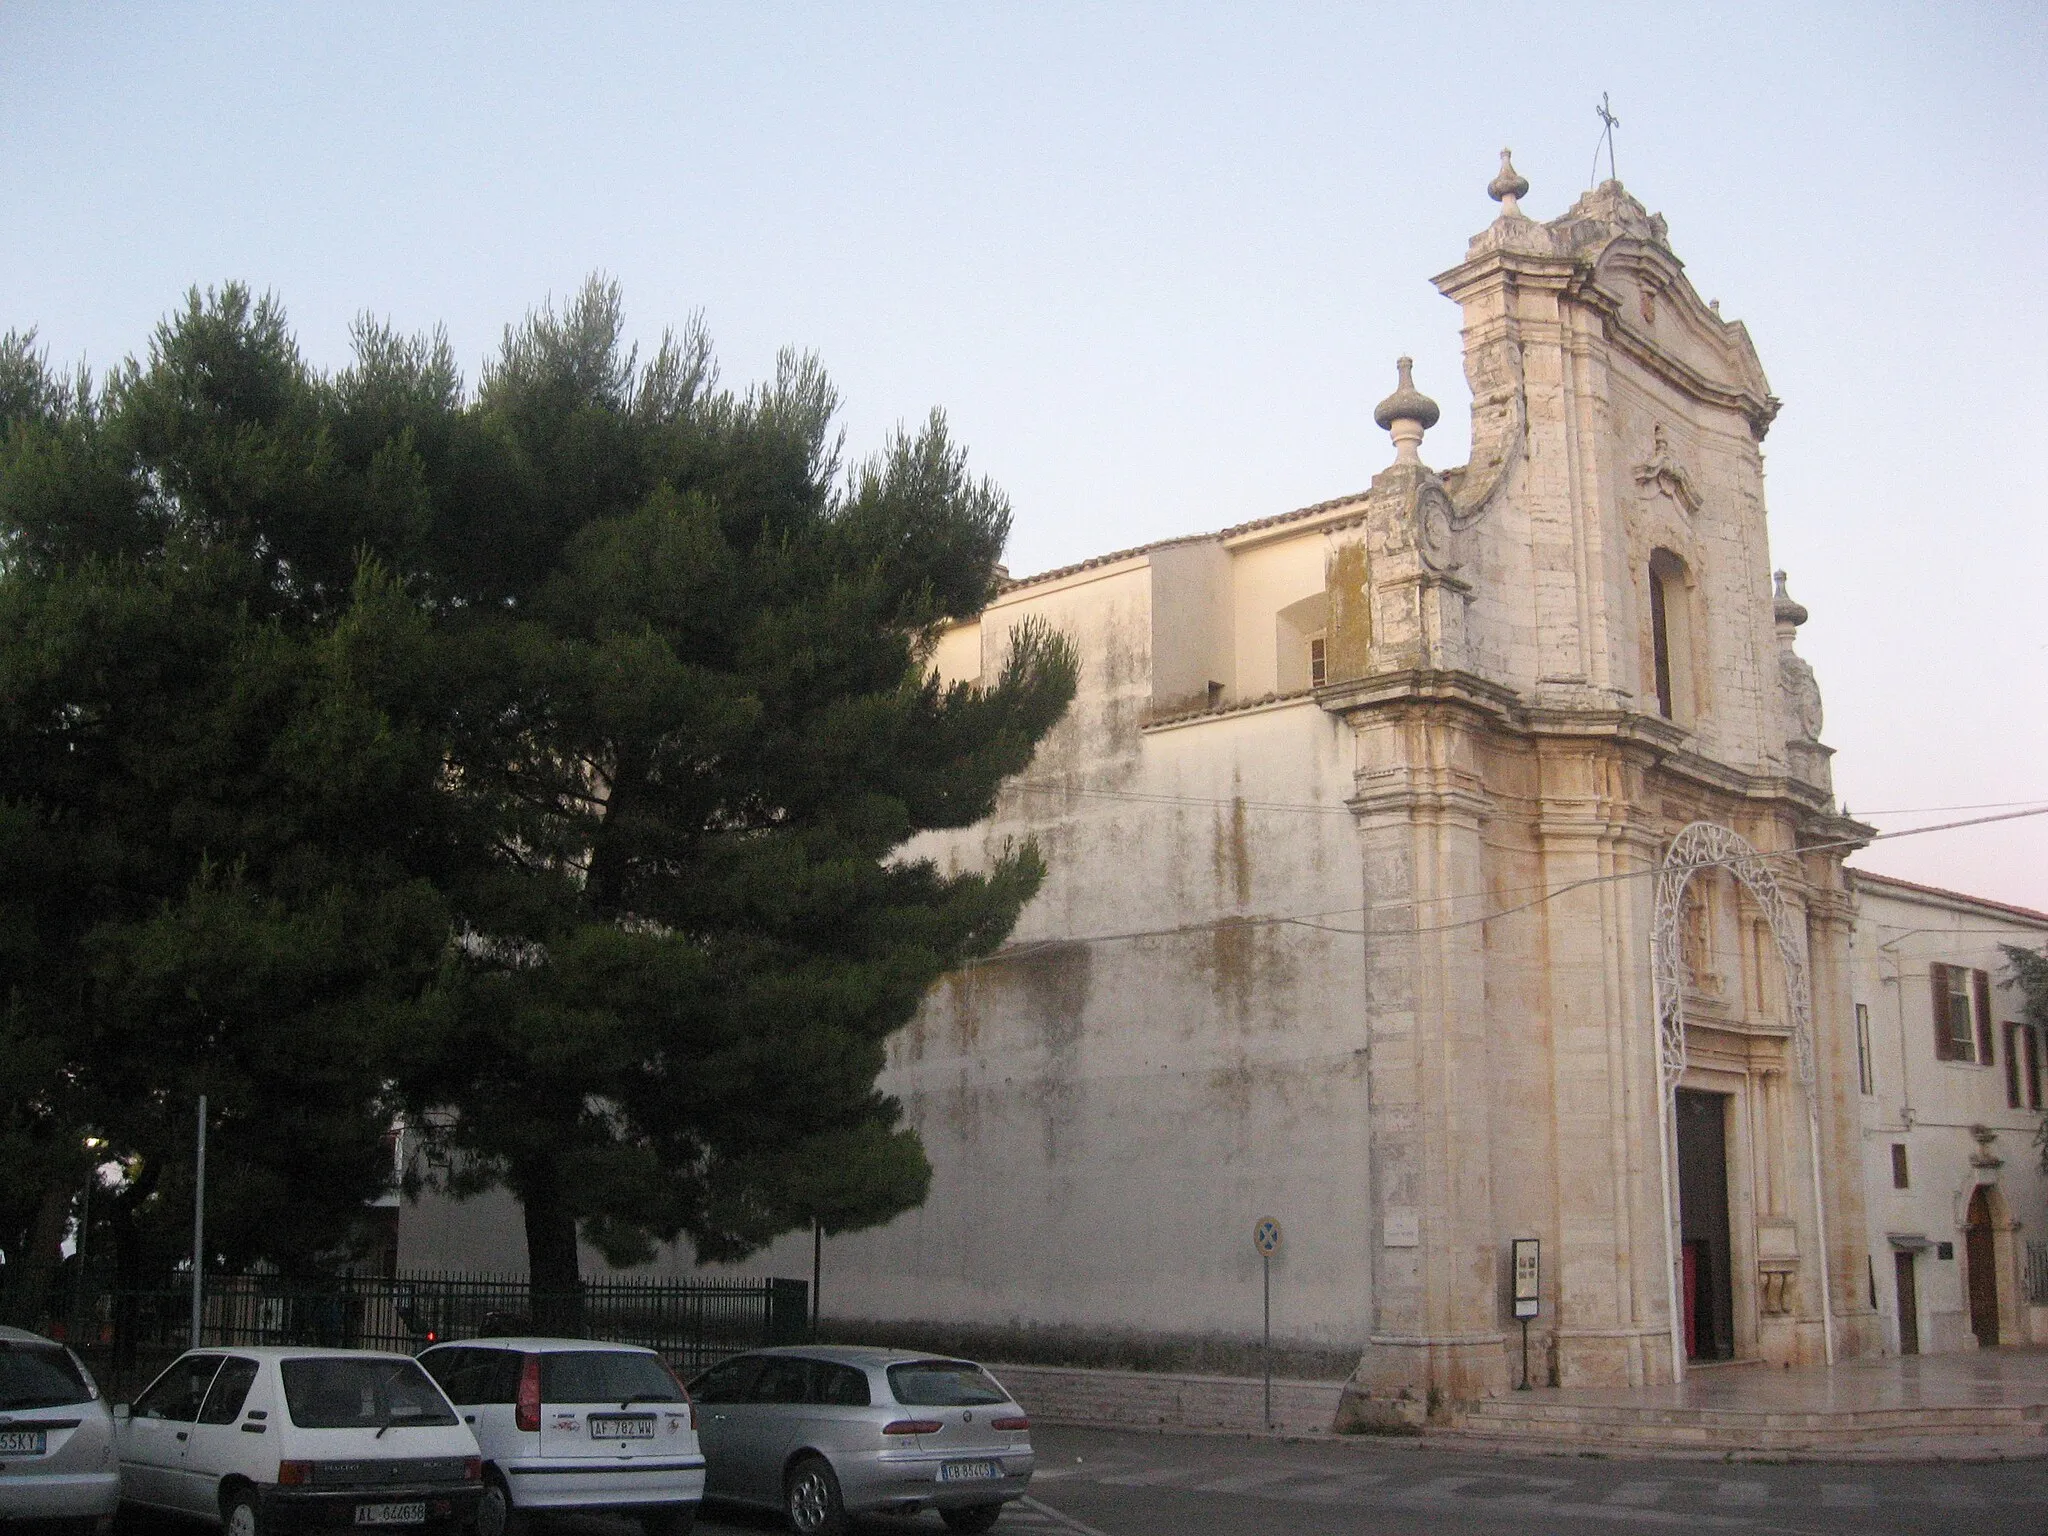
<point x="1421" y="809"/>
<point x="1830" y="920"/>
<point x="1612" y="1325"/>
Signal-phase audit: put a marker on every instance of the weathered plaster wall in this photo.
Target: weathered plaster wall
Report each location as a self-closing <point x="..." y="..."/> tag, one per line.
<point x="1267" y="576"/>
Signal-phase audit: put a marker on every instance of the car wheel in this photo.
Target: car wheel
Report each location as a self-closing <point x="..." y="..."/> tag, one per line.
<point x="669" y="1522"/>
<point x="242" y="1519"/>
<point x="495" y="1514"/>
<point x="810" y="1499"/>
<point x="975" y="1517"/>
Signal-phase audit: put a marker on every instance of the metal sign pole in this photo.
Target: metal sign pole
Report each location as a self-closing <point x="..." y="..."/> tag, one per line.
<point x="199" y="1224"/>
<point x="1266" y="1264"/>
<point x="1526" y="1264"/>
<point x="1266" y="1239"/>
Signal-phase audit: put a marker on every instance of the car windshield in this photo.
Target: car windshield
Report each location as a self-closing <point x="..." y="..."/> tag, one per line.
<point x="944" y="1384"/>
<point x="374" y="1392"/>
<point x="606" y="1376"/>
<point x="40" y="1376"/>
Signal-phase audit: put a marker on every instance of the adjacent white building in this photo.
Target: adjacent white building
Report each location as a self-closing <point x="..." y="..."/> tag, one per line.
<point x="1951" y="1078"/>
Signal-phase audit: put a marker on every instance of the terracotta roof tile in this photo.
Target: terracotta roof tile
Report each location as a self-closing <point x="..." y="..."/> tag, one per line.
<point x="1297" y="515"/>
<point x="1867" y="877"/>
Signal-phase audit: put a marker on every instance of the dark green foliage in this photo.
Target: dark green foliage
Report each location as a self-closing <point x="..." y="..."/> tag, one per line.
<point x="543" y="762"/>
<point x="693" y="701"/>
<point x="220" y="861"/>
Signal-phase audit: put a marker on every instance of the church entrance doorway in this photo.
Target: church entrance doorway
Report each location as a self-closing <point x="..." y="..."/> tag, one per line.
<point x="1706" y="1250"/>
<point x="1909" y="1304"/>
<point x="1980" y="1250"/>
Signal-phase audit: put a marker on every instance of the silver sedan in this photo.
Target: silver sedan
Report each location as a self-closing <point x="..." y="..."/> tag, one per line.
<point x="827" y="1432"/>
<point x="56" y="1438"/>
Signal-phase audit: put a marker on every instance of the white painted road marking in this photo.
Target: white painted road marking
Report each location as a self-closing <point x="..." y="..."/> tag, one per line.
<point x="1064" y="1522"/>
<point x="1647" y="1491"/>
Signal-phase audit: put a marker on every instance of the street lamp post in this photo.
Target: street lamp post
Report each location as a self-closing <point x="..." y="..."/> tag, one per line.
<point x="199" y="1223"/>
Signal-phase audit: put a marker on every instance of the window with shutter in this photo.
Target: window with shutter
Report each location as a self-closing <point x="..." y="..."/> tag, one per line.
<point x="2031" y="1037"/>
<point x="2013" y="1086"/>
<point x="1980" y="993"/>
<point x="1944" y="1038"/>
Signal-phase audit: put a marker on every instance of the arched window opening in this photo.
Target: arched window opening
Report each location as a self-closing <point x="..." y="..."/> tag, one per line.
<point x="1671" y="636"/>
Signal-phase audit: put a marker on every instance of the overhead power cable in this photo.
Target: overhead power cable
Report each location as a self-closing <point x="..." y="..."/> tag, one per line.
<point x="1307" y="919"/>
<point x="1231" y="802"/>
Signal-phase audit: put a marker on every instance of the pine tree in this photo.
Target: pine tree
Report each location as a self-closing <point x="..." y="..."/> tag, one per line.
<point x="694" y="700"/>
<point x="221" y="864"/>
<point x="547" y="762"/>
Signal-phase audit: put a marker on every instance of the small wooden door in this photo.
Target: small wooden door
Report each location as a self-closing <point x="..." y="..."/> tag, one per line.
<point x="1691" y="1254"/>
<point x="1981" y="1250"/>
<point x="1909" y="1305"/>
<point x="1703" y="1224"/>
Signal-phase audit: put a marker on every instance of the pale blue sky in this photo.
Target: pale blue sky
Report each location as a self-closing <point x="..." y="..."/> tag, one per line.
<point x="1154" y="260"/>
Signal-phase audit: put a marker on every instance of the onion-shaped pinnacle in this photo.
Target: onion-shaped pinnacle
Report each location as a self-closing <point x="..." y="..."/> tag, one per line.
<point x="1509" y="187"/>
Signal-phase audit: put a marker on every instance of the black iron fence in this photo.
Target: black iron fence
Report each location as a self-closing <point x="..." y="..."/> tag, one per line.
<point x="128" y="1335"/>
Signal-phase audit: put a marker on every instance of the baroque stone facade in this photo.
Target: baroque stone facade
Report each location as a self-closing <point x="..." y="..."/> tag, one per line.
<point x="1518" y="679"/>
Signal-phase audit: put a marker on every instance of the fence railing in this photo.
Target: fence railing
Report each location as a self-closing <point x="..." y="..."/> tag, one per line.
<point x="2037" y="1272"/>
<point x="691" y="1323"/>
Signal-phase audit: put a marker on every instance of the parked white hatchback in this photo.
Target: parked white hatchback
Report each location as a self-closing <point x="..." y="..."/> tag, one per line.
<point x="56" y="1438"/>
<point x="271" y="1440"/>
<point x="575" y="1424"/>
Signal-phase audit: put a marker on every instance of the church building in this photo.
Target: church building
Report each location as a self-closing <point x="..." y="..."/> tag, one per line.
<point x="1450" y="873"/>
<point x="1355" y="833"/>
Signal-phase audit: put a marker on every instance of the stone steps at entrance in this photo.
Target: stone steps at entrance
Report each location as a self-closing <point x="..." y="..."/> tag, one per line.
<point x="1645" y="1427"/>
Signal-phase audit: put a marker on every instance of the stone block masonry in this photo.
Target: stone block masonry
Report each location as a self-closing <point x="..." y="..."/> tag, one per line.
<point x="1147" y="1400"/>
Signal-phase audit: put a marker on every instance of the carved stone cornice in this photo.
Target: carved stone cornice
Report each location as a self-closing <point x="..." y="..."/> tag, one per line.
<point x="1418" y="685"/>
<point x="1758" y="410"/>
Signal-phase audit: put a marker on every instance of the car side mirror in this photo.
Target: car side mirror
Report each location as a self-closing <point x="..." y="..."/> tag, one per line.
<point x="120" y="1410"/>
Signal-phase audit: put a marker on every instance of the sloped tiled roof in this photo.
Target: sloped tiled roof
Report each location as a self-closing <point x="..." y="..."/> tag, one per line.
<point x="1297" y="515"/>
<point x="1866" y="877"/>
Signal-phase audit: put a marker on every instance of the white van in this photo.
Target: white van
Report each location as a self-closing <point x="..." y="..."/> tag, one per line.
<point x="272" y="1440"/>
<point x="575" y="1424"/>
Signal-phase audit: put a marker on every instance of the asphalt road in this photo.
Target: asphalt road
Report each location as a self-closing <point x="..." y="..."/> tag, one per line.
<point x="1117" y="1483"/>
<point x="1120" y="1483"/>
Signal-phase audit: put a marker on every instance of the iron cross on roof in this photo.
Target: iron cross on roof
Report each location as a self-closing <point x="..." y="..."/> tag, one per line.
<point x="1609" y="123"/>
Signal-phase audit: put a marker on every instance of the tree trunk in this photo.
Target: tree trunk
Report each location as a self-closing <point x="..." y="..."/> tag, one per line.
<point x="612" y="843"/>
<point x="28" y="1290"/>
<point x="551" y="1257"/>
<point x="129" y="1276"/>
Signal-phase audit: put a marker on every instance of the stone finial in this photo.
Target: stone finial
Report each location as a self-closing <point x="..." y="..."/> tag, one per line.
<point x="1784" y="607"/>
<point x="1406" y="414"/>
<point x="1509" y="187"/>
